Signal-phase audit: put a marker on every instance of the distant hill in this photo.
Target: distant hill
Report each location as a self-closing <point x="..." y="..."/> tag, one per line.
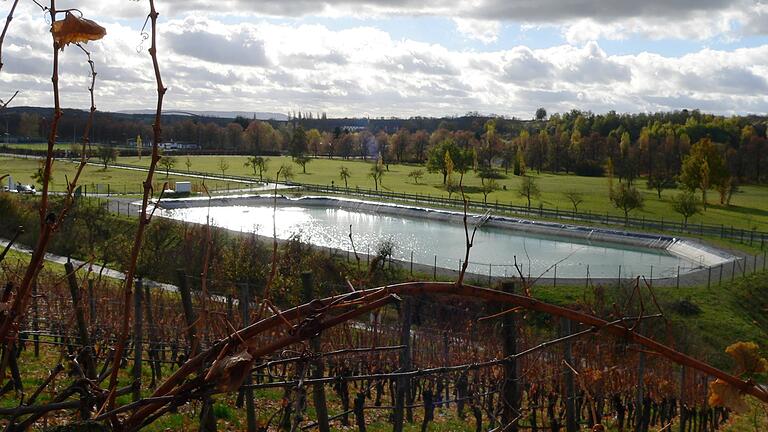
<point x="216" y="114"/>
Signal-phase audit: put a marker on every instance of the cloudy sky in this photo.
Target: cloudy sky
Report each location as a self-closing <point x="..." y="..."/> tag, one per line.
<point x="407" y="57"/>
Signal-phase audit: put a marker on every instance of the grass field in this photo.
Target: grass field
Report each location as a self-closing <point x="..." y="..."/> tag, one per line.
<point x="119" y="180"/>
<point x="749" y="207"/>
<point x="41" y="146"/>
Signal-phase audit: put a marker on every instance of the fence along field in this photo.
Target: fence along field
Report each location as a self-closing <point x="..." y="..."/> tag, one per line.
<point x="359" y="353"/>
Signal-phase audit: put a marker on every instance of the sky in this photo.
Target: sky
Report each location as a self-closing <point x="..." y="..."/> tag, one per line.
<point x="403" y="58"/>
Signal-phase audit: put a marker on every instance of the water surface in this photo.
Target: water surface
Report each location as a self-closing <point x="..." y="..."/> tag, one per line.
<point x="494" y="250"/>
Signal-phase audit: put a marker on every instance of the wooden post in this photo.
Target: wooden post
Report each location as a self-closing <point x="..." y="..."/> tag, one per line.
<point x="91" y="303"/>
<point x="35" y="319"/>
<point x="639" y="423"/>
<point x="446" y="362"/>
<point x="403" y="382"/>
<point x="683" y="410"/>
<point x="318" y="390"/>
<point x="82" y="327"/>
<point x="137" y="338"/>
<point x="231" y="309"/>
<point x="570" y="393"/>
<point x="245" y="315"/>
<point x="359" y="406"/>
<point x="510" y="390"/>
<point x="154" y="341"/>
<point x="189" y="312"/>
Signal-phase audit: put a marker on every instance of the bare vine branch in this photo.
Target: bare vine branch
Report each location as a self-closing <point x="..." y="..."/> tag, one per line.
<point x="143" y="217"/>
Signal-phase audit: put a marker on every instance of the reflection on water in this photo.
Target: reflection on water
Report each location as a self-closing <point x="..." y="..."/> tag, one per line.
<point x="425" y="238"/>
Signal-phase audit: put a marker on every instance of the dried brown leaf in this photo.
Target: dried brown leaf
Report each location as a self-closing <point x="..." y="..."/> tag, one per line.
<point x="232" y="371"/>
<point x="747" y="358"/>
<point x="74" y="29"/>
<point x="725" y="395"/>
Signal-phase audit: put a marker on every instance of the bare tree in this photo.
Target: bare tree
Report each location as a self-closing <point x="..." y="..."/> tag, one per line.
<point x="168" y="162"/>
<point x="575" y="198"/>
<point x="223" y="166"/>
<point x="528" y="189"/>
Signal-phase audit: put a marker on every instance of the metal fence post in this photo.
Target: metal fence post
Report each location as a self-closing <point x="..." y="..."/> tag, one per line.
<point x="678" y="276"/>
<point x="490" y="271"/>
<point x="619" y="279"/>
<point x="554" y="283"/>
<point x="720" y="282"/>
<point x="754" y="264"/>
<point x="586" y="281"/>
<point x="650" y="281"/>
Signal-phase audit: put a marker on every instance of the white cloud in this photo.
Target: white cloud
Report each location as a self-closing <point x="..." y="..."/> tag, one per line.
<point x="486" y="31"/>
<point x="213" y="64"/>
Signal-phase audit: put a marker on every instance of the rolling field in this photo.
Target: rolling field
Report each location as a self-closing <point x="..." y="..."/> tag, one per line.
<point x="119" y="180"/>
<point x="749" y="207"/>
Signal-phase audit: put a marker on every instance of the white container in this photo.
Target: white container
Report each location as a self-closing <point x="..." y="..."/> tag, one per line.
<point x="183" y="187"/>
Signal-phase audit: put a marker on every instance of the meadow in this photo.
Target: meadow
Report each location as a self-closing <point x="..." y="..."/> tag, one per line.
<point x="748" y="209"/>
<point x="95" y="178"/>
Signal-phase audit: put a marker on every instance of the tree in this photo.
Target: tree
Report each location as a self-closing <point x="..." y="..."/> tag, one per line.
<point x="488" y="186"/>
<point x="463" y="160"/>
<point x="302" y="161"/>
<point x="107" y="155"/>
<point x="314" y="140"/>
<point x="659" y="181"/>
<point x="541" y="114"/>
<point x="626" y="198"/>
<point x="223" y="166"/>
<point x="39" y="174"/>
<point x="298" y="142"/>
<point x="188" y="163"/>
<point x="575" y="198"/>
<point x="416" y="175"/>
<point x="727" y="189"/>
<point x="168" y="162"/>
<point x="703" y="168"/>
<point x="258" y="164"/>
<point x="452" y="186"/>
<point x="286" y="171"/>
<point x="609" y="169"/>
<point x="686" y="204"/>
<point x="529" y="189"/>
<point x="344" y="174"/>
<point x="377" y="172"/>
<point x="519" y="167"/>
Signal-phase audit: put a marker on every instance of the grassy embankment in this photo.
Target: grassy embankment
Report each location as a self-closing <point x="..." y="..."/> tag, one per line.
<point x="749" y="207"/>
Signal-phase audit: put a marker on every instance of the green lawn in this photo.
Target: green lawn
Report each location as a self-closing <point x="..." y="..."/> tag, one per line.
<point x="749" y="207"/>
<point x="37" y="146"/>
<point x="119" y="180"/>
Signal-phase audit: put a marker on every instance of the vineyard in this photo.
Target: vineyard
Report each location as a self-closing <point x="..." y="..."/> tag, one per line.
<point x="311" y="345"/>
<point x="500" y="360"/>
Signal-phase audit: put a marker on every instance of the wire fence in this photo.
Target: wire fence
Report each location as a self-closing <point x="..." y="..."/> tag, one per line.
<point x="568" y="272"/>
